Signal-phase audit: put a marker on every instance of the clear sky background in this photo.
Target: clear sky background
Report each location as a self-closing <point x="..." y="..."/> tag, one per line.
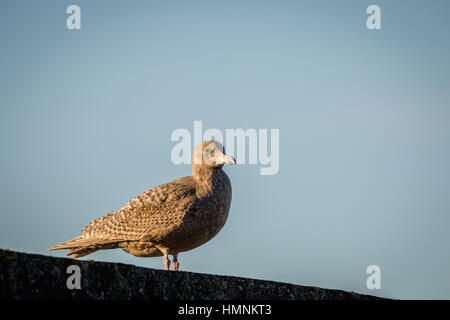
<point x="364" y="119"/>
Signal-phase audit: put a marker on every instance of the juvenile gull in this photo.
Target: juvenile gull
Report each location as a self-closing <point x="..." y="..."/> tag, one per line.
<point x="168" y="219"/>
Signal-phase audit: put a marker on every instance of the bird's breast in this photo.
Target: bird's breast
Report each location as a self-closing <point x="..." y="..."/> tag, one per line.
<point x="206" y="218"/>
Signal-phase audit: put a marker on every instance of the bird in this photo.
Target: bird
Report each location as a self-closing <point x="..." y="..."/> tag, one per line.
<point x="167" y="219"/>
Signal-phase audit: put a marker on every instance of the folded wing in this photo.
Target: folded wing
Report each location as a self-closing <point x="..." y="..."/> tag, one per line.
<point x="151" y="215"/>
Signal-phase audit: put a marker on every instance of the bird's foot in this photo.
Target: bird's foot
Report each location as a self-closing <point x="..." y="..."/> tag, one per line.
<point x="175" y="265"/>
<point x="166" y="262"/>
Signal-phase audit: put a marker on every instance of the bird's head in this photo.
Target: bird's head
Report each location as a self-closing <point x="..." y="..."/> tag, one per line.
<point x="211" y="154"/>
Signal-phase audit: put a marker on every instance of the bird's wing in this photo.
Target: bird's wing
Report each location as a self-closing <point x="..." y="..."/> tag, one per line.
<point x="151" y="215"/>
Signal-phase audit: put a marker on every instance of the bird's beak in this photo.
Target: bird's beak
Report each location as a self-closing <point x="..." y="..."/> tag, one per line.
<point x="228" y="159"/>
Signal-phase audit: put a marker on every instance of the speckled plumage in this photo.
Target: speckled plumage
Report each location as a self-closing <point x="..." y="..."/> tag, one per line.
<point x="168" y="219"/>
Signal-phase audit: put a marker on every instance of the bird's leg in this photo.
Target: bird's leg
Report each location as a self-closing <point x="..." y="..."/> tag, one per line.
<point x="166" y="261"/>
<point x="175" y="264"/>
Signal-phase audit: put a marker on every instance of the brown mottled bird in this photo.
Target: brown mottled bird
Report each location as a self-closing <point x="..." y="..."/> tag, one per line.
<point x="168" y="219"/>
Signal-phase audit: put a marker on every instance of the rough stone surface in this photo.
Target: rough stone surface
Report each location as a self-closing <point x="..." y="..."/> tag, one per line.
<point x="32" y="276"/>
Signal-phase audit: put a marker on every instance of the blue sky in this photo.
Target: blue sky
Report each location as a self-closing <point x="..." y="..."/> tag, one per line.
<point x="86" y="118"/>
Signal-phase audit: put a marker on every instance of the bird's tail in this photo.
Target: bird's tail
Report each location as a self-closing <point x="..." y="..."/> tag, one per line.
<point x="83" y="246"/>
<point x="73" y="243"/>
